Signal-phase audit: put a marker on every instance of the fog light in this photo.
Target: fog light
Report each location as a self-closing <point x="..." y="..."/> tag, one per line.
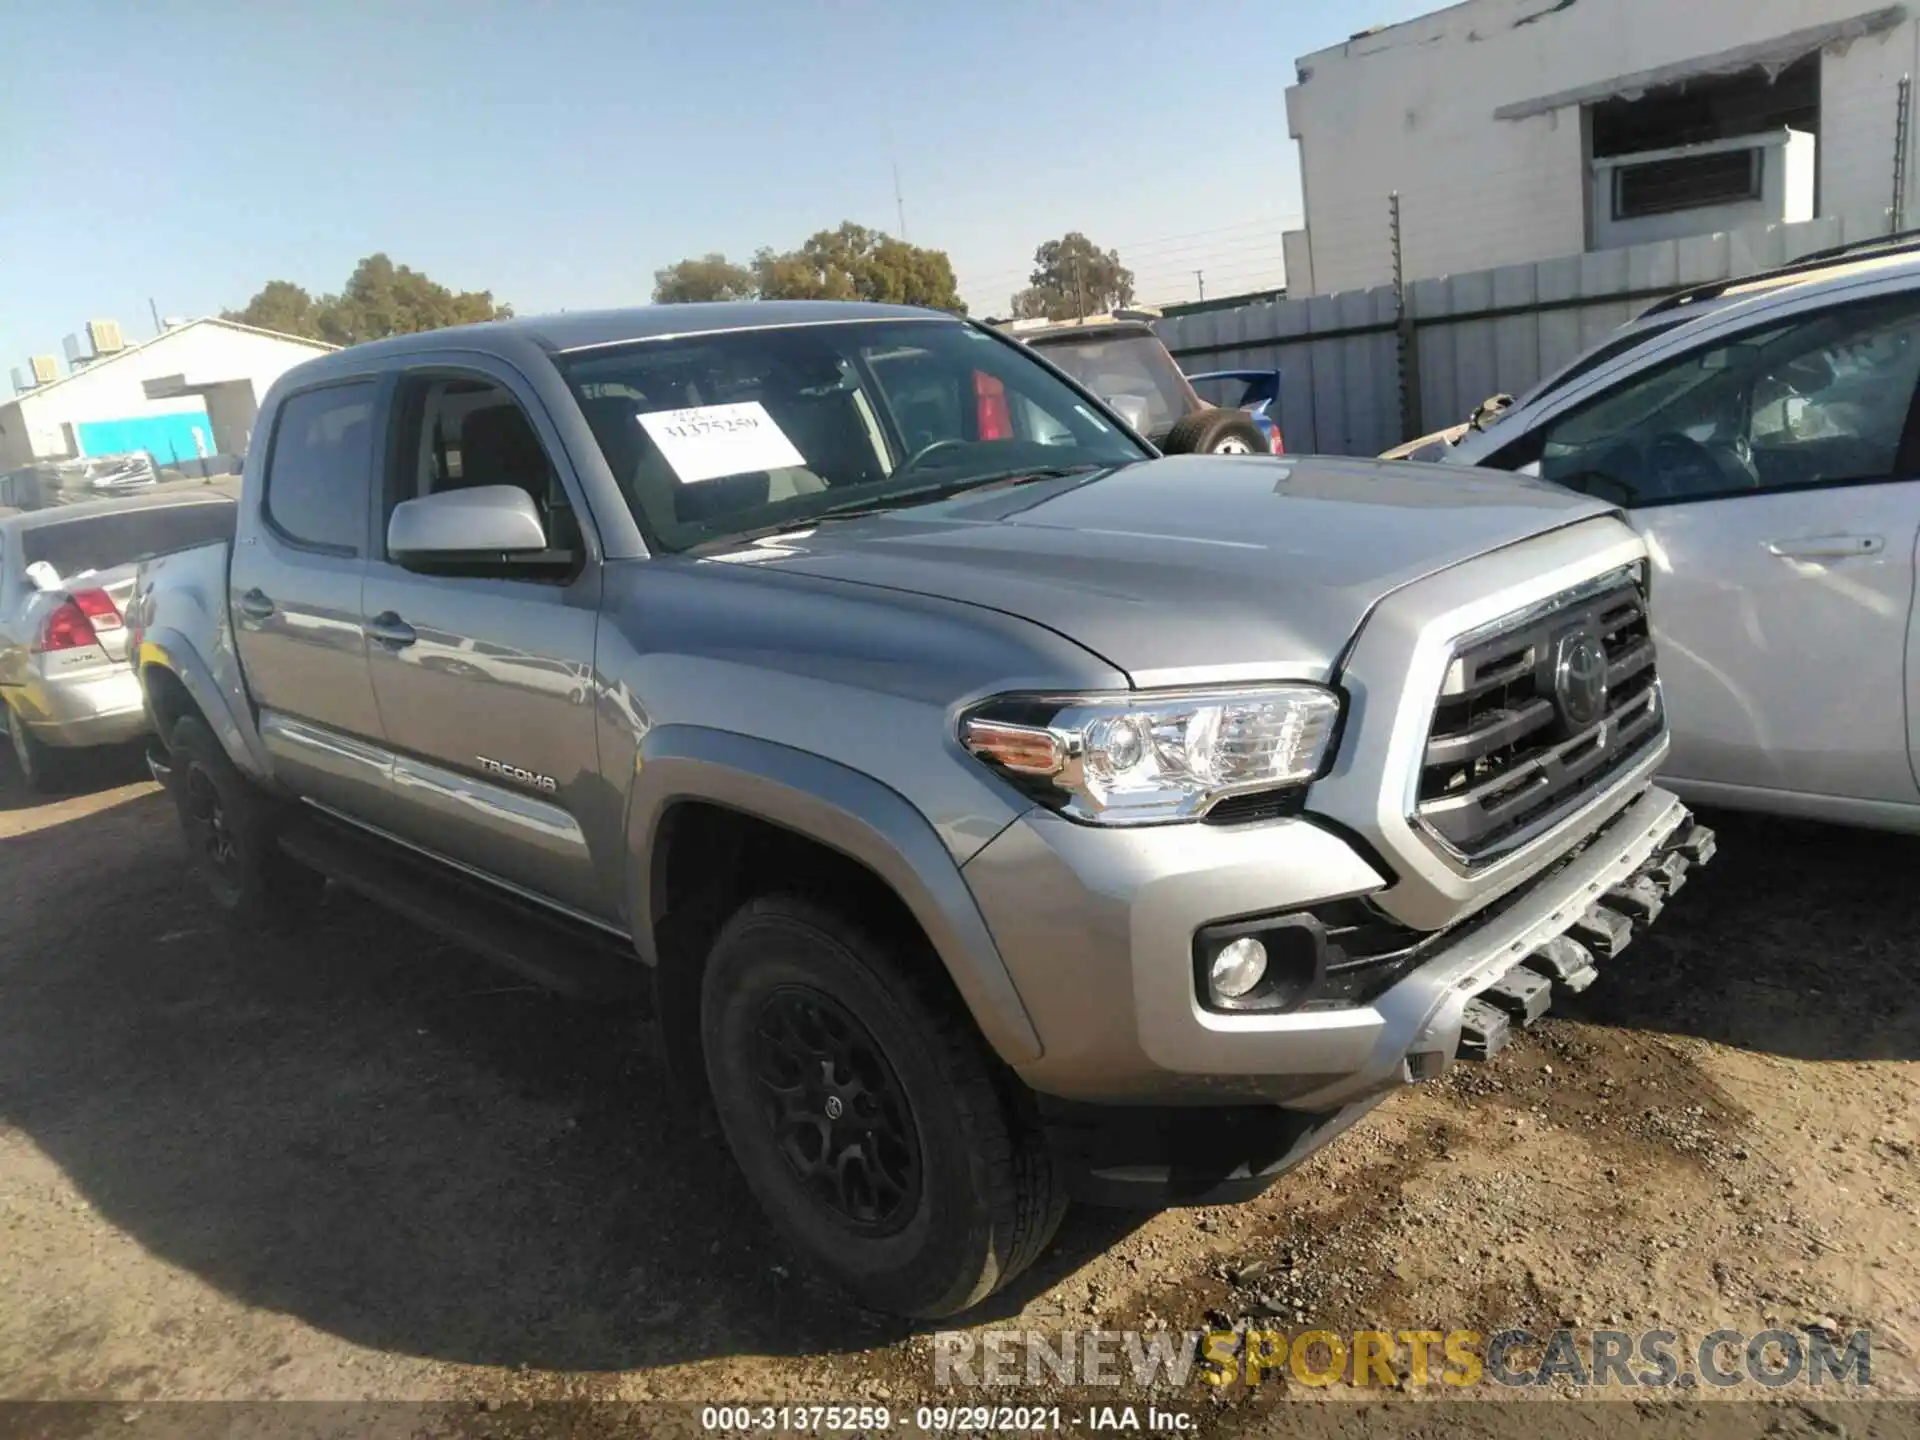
<point x="1238" y="967"/>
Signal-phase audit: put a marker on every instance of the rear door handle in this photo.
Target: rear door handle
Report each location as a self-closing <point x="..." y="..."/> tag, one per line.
<point x="390" y="630"/>
<point x="1827" y="547"/>
<point x="256" y="604"/>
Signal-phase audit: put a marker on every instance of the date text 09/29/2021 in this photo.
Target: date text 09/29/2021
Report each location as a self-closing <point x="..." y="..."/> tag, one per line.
<point x="943" y="1419"/>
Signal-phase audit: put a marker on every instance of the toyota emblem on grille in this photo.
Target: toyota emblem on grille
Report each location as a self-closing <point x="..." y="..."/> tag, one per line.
<point x="1580" y="679"/>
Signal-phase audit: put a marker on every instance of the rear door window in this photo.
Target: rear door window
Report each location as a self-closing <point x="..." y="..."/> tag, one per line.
<point x="320" y="469"/>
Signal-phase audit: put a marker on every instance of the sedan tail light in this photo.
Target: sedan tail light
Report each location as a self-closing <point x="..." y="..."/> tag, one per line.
<point x="65" y="628"/>
<point x="99" y="608"/>
<point x="992" y="420"/>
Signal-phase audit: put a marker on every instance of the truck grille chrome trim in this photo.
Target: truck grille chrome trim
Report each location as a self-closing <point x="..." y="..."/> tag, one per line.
<point x="1535" y="713"/>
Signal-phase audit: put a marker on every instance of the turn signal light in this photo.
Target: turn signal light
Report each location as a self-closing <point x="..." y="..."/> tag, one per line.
<point x="99" y="608"/>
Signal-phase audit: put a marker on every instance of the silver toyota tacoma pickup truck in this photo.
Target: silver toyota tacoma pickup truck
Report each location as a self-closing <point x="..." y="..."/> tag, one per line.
<point x="995" y="810"/>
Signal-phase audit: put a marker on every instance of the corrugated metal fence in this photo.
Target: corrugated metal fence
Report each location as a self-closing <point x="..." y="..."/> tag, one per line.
<point x="1478" y="334"/>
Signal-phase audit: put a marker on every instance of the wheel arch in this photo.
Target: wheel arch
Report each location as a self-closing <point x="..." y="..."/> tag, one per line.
<point x="176" y="681"/>
<point x="697" y="791"/>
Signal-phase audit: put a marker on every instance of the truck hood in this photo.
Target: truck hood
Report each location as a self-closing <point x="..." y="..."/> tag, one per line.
<point x="1188" y="568"/>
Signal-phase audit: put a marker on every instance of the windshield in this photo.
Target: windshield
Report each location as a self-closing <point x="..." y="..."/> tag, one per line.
<point x="1121" y="368"/>
<point x="712" y="437"/>
<point x="106" y="542"/>
<point x="1607" y="350"/>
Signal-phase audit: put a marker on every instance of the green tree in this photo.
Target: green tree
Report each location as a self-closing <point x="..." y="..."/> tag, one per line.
<point x="855" y="263"/>
<point x="707" y="277"/>
<point x="283" y="306"/>
<point x="379" y="299"/>
<point x="1072" y="276"/>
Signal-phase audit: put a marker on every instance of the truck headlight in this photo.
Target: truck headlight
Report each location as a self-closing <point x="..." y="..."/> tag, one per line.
<point x="1155" y="755"/>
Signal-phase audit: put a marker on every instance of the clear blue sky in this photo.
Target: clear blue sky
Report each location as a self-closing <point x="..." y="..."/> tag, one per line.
<point x="558" y="153"/>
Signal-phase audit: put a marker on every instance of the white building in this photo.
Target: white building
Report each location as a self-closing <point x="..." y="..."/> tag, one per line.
<point x="1524" y="130"/>
<point x="190" y="392"/>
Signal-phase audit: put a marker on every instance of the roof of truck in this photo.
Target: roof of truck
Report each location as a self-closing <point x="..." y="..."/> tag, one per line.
<point x="572" y="330"/>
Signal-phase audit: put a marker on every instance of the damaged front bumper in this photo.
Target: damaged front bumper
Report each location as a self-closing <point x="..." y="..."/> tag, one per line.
<point x="1168" y="1102"/>
<point x="1552" y="938"/>
<point x="1569" y="962"/>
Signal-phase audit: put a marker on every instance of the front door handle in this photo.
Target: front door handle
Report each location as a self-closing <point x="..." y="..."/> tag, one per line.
<point x="1827" y="547"/>
<point x="390" y="630"/>
<point x="256" y="604"/>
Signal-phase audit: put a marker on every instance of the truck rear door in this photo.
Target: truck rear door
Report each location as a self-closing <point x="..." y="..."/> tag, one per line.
<point x="299" y="561"/>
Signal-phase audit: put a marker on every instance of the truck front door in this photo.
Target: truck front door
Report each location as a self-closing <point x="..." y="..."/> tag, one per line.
<point x="484" y="673"/>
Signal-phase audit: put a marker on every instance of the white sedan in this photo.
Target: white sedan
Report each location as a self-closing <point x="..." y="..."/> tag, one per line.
<point x="66" y="573"/>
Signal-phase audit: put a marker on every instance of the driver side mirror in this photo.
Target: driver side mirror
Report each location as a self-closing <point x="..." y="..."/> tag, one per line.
<point x="484" y="521"/>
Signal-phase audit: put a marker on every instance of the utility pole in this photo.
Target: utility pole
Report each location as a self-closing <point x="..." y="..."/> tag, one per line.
<point x="899" y="203"/>
<point x="1407" y="341"/>
<point x="1079" y="291"/>
<point x="1200" y="279"/>
<point x="1902" y="131"/>
<point x="158" y="328"/>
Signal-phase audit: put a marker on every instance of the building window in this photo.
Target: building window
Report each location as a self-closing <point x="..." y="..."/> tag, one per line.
<point x="1686" y="182"/>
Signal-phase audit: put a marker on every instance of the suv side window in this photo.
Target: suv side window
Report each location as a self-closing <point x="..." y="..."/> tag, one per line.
<point x="459" y="433"/>
<point x="319" y="474"/>
<point x="1821" y="400"/>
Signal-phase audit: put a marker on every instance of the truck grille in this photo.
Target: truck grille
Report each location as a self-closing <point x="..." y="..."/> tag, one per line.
<point x="1535" y="714"/>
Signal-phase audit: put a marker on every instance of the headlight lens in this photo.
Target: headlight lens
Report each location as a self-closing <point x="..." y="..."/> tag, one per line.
<point x="1156" y="756"/>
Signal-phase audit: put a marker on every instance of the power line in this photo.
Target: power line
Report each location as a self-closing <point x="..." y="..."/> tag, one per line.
<point x="1164" y="247"/>
<point x="1169" y="259"/>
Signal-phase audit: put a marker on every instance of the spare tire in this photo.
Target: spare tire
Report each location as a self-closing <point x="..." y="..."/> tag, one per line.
<point x="1215" y="432"/>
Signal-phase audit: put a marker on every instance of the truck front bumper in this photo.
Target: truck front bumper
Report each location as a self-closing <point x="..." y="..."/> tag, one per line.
<point x="1098" y="930"/>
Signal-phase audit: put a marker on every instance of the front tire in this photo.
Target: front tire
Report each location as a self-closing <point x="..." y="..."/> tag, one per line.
<point x="889" y="1147"/>
<point x="37" y="762"/>
<point x="229" y="829"/>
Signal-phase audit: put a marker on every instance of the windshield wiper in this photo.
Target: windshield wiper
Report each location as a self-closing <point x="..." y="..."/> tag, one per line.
<point x="926" y="494"/>
<point x="915" y="495"/>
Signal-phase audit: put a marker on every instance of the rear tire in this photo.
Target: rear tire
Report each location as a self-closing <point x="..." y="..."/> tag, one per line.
<point x="1215" y="432"/>
<point x="40" y="766"/>
<point x="229" y="826"/>
<point x="888" y="1145"/>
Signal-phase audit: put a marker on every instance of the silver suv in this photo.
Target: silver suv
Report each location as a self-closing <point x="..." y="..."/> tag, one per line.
<point x="995" y="810"/>
<point x="1763" y="434"/>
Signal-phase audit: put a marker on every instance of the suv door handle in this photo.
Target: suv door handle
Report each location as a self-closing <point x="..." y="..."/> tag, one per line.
<point x="1827" y="547"/>
<point x="256" y="604"/>
<point x="390" y="630"/>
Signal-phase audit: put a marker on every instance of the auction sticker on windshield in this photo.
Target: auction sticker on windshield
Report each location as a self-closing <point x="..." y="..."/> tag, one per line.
<point x="713" y="441"/>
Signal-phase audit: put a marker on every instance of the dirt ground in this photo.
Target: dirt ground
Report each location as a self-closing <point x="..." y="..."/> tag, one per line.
<point x="360" y="1165"/>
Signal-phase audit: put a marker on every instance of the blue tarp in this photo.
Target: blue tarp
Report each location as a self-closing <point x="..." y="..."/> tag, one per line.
<point x="184" y="435"/>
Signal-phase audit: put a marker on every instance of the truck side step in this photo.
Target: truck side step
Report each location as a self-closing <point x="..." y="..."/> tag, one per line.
<point x="552" y="950"/>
